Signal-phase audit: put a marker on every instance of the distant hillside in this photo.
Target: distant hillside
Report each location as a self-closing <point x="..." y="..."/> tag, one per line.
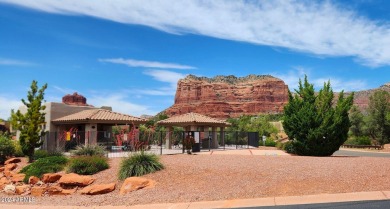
<point x="362" y="98"/>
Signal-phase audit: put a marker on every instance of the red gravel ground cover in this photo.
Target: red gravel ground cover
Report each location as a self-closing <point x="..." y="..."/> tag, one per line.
<point x="217" y="177"/>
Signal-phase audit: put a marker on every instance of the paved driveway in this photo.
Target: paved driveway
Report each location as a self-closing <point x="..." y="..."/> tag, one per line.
<point x="358" y="153"/>
<point x="340" y="205"/>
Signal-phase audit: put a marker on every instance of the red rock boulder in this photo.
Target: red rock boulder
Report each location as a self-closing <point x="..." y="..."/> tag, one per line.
<point x="68" y="191"/>
<point x="33" y="180"/>
<point x="3" y="181"/>
<point x="38" y="191"/>
<point x="57" y="190"/>
<point x="18" y="177"/>
<point x="136" y="183"/>
<point x="10" y="166"/>
<point x="22" y="189"/>
<point x="8" y="173"/>
<point x="54" y="190"/>
<point x="73" y="179"/>
<point x="51" y="177"/>
<point x="12" y="160"/>
<point x="98" y="189"/>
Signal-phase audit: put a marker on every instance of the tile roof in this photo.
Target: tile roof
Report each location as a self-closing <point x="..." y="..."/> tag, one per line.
<point x="100" y="115"/>
<point x="192" y="118"/>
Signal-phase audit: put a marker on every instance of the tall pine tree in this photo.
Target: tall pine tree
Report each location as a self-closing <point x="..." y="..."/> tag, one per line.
<point x="315" y="125"/>
<point x="30" y="123"/>
<point x="357" y="122"/>
<point x="379" y="120"/>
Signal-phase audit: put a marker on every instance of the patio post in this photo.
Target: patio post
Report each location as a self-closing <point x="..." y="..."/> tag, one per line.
<point x="222" y="133"/>
<point x="214" y="140"/>
<point x="168" y="143"/>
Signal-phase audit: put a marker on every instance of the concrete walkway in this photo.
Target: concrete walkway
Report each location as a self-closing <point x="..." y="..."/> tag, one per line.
<point x="235" y="203"/>
<point x="245" y="152"/>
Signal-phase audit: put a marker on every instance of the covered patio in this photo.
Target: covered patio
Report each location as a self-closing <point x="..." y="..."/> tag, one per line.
<point x="88" y="127"/>
<point x="200" y="126"/>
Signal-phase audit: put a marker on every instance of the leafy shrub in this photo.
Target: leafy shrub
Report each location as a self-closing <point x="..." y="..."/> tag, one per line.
<point x="229" y="141"/>
<point x="43" y="154"/>
<point x="363" y="140"/>
<point x="18" y="149"/>
<point x="242" y="141"/>
<point x="89" y="150"/>
<point x="270" y="142"/>
<point x="289" y="147"/>
<point x="41" y="166"/>
<point x="279" y="145"/>
<point x="40" y="154"/>
<point x="139" y="164"/>
<point x="7" y="148"/>
<point x="87" y="165"/>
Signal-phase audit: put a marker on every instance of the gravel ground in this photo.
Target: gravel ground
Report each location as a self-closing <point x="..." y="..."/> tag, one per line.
<point x="217" y="177"/>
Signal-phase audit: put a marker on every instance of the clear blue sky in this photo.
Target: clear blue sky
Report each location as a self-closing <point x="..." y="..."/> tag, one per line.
<point x="130" y="54"/>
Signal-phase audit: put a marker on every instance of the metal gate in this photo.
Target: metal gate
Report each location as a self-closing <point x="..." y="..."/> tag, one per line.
<point x="253" y="139"/>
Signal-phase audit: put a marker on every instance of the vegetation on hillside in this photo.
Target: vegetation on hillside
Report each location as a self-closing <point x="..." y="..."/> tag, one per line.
<point x="258" y="124"/>
<point x="374" y="124"/>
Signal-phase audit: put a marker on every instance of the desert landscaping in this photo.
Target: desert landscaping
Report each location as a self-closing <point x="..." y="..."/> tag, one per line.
<point x="205" y="177"/>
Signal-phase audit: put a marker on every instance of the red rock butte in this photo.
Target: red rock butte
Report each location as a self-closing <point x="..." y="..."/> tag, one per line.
<point x="75" y="99"/>
<point x="229" y="96"/>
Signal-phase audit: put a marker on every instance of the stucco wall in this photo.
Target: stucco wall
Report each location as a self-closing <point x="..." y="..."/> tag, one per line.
<point x="53" y="111"/>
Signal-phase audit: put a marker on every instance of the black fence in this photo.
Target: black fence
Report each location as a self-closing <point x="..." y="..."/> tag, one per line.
<point x="120" y="144"/>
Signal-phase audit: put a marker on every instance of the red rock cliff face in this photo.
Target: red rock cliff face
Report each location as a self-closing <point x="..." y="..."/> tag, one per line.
<point x="229" y="96"/>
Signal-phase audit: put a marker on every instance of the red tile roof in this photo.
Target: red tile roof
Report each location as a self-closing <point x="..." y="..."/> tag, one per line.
<point x="100" y="115"/>
<point x="194" y="119"/>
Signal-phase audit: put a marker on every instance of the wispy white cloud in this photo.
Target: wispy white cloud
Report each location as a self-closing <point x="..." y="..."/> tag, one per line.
<point x="315" y="27"/>
<point x="14" y="62"/>
<point x="337" y="84"/>
<point x="120" y="103"/>
<point x="147" y="64"/>
<point x="164" y="76"/>
<point x="8" y="103"/>
<point x="291" y="78"/>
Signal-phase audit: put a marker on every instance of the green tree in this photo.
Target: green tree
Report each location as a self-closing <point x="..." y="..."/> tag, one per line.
<point x="315" y="125"/>
<point x="357" y="122"/>
<point x="29" y="123"/>
<point x="7" y="148"/>
<point x="379" y="119"/>
<point x="246" y="123"/>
